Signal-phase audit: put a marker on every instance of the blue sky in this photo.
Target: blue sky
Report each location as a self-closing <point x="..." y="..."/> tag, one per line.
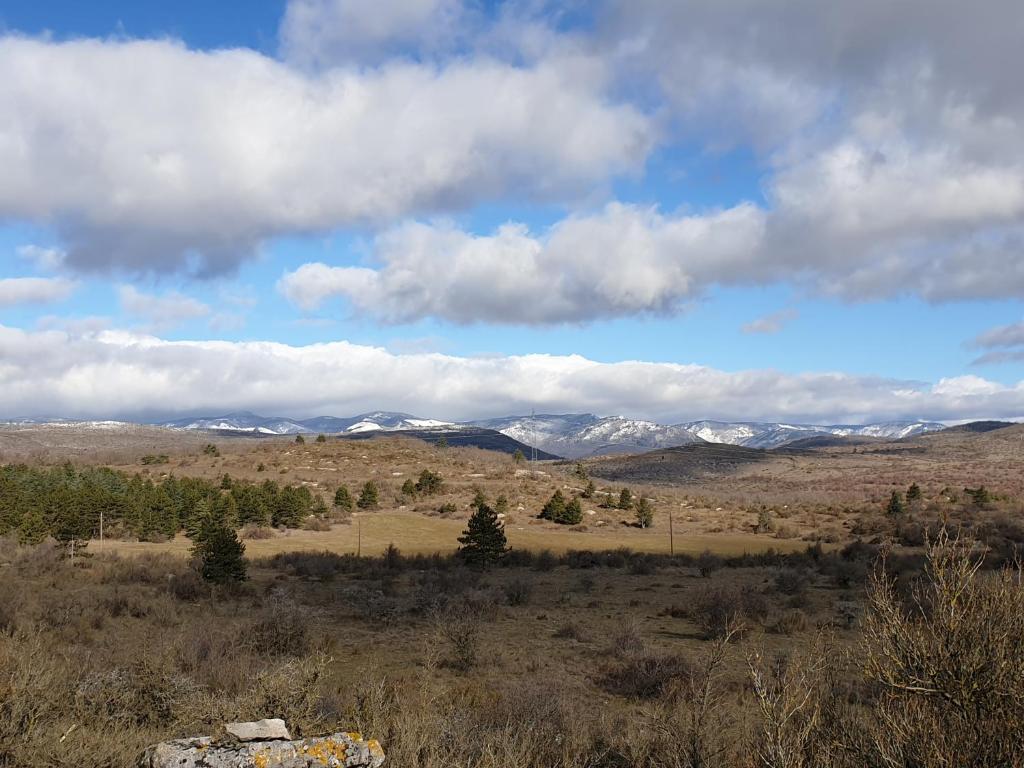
<point x="463" y="187"/>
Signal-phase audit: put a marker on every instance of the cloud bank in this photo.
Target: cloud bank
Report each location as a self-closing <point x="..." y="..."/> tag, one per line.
<point x="113" y="373"/>
<point x="148" y="156"/>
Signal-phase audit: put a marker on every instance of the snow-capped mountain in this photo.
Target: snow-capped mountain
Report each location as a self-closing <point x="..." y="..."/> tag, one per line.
<point x="245" y="421"/>
<point x="579" y="435"/>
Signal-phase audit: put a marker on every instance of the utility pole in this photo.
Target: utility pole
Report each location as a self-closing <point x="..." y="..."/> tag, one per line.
<point x="671" y="536"/>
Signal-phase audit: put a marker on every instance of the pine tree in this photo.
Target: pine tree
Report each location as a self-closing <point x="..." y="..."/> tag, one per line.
<point x="221" y="554"/>
<point x="225" y="482"/>
<point x="626" y="499"/>
<point x="590" y="490"/>
<point x="409" y="489"/>
<point x="479" y="500"/>
<point x="321" y="438"/>
<point x="518" y="457"/>
<point x="555" y="508"/>
<point x="33" y="528"/>
<point x="644" y="513"/>
<point x="573" y="514"/>
<point x="913" y="493"/>
<point x="300" y="440"/>
<point x="501" y="504"/>
<point x="895" y="506"/>
<point x="483" y="542"/>
<point x="369" y="497"/>
<point x="343" y="499"/>
<point x="429" y="483"/>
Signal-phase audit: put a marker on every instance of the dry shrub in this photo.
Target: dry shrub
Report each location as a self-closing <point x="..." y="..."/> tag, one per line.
<point x="951" y="666"/>
<point x="253" y="532"/>
<point x="645" y="675"/>
<point x="727" y="609"/>
<point x="518" y="592"/>
<point x="791" y="622"/>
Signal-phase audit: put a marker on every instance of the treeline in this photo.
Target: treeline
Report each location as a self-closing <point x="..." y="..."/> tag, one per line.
<point x="67" y="503"/>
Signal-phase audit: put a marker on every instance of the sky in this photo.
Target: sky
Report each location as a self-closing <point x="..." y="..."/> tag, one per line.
<point x="727" y="209"/>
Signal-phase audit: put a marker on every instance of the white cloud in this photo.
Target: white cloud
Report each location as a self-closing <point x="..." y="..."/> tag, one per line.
<point x="772" y="323"/>
<point x="161" y="312"/>
<point x="621" y="261"/>
<point x="56" y="372"/>
<point x="316" y="33"/>
<point x="34" y="290"/>
<point x="149" y="156"/>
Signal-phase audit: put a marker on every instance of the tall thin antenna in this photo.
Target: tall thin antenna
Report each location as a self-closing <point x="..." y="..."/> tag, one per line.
<point x="533" y="438"/>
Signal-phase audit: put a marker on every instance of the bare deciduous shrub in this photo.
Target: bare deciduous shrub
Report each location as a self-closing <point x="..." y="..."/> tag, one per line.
<point x="790" y="622"/>
<point x="951" y="666"/>
<point x="518" y="592"/>
<point x="727" y="609"/>
<point x="645" y="675"/>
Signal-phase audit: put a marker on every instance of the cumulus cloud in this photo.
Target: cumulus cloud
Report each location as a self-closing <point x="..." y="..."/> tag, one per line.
<point x="318" y="33"/>
<point x="160" y="312"/>
<point x="772" y="323"/>
<point x="624" y="260"/>
<point x="57" y="372"/>
<point x="34" y="290"/>
<point x="148" y="156"/>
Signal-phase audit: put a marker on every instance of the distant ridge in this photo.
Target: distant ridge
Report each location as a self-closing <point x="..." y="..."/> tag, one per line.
<point x="981" y="426"/>
<point x="571" y="435"/>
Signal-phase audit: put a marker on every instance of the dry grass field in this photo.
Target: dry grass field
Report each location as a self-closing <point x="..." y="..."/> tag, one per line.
<point x="587" y="647"/>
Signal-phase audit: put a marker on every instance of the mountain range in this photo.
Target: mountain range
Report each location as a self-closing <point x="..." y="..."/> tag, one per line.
<point x="568" y="435"/>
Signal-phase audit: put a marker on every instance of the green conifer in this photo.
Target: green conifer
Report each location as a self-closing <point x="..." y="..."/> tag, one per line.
<point x="483" y="542"/>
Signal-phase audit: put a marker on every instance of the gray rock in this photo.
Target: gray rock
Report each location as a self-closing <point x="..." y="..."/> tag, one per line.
<point x="261" y="730"/>
<point x="339" y="750"/>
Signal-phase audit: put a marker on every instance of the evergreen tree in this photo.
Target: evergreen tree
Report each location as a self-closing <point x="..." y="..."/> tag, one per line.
<point x="764" y="521"/>
<point x="479" y="499"/>
<point x="590" y="490"/>
<point x="913" y="493"/>
<point x="292" y="506"/>
<point x="429" y="483"/>
<point x="409" y="489"/>
<point x="626" y="499"/>
<point x="321" y="438"/>
<point x="554" y="510"/>
<point x="300" y="440"/>
<point x="573" y="514"/>
<point x="369" y="497"/>
<point x="225" y="482"/>
<point x="501" y="504"/>
<point x="483" y="542"/>
<point x="644" y="513"/>
<point x="221" y="555"/>
<point x="33" y="528"/>
<point x="580" y="471"/>
<point x="518" y="457"/>
<point x="343" y="499"/>
<point x="895" y="506"/>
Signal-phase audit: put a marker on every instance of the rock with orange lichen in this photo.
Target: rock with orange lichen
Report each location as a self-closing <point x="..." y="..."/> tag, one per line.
<point x="339" y="750"/>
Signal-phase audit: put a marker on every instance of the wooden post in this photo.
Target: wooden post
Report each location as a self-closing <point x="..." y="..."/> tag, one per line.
<point x="671" y="536"/>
